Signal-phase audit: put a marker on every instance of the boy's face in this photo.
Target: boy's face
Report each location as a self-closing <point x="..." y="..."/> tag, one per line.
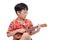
<point x="22" y="14"/>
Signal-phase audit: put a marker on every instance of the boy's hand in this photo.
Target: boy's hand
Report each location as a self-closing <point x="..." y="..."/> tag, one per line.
<point x="21" y="30"/>
<point x="39" y="26"/>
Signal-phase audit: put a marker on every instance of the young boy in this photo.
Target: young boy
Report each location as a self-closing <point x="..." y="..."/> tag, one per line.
<point x="21" y="24"/>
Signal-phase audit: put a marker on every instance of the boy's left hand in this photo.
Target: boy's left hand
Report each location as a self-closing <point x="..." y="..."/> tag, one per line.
<point x="40" y="26"/>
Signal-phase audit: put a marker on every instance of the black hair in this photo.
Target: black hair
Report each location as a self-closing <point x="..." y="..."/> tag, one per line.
<point x="20" y="7"/>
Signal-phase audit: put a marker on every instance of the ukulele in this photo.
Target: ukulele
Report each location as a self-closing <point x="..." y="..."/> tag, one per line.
<point x="33" y="28"/>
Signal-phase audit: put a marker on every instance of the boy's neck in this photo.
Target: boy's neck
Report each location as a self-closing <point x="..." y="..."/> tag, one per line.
<point x="20" y="19"/>
<point x="15" y="39"/>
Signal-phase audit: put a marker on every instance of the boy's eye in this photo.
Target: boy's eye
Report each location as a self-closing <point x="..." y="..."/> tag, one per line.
<point x="24" y="13"/>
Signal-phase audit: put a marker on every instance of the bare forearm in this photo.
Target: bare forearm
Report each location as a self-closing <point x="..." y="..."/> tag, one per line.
<point x="11" y="33"/>
<point x="35" y="31"/>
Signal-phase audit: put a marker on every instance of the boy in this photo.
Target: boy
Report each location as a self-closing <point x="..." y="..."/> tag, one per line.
<point x="21" y="24"/>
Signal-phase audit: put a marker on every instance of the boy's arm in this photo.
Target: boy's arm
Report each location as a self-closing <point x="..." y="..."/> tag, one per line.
<point x="32" y="32"/>
<point x="35" y="31"/>
<point x="38" y="29"/>
<point x="11" y="33"/>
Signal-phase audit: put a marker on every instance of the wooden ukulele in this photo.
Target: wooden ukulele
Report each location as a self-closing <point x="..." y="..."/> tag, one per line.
<point x="33" y="28"/>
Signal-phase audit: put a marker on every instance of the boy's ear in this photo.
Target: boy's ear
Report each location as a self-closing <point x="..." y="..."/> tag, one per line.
<point x="18" y="12"/>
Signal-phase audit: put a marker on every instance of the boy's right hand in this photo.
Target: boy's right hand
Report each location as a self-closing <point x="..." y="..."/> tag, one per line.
<point x="21" y="30"/>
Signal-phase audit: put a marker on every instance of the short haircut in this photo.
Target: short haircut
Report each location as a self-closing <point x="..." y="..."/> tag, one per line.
<point x="20" y="6"/>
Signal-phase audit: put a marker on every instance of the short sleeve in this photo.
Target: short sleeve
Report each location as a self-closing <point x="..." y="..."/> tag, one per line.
<point x="30" y="24"/>
<point x="11" y="27"/>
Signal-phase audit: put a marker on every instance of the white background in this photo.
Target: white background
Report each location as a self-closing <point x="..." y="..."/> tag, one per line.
<point x="40" y="11"/>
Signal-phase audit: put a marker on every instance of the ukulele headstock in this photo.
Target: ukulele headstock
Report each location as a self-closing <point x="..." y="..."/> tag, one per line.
<point x="43" y="25"/>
